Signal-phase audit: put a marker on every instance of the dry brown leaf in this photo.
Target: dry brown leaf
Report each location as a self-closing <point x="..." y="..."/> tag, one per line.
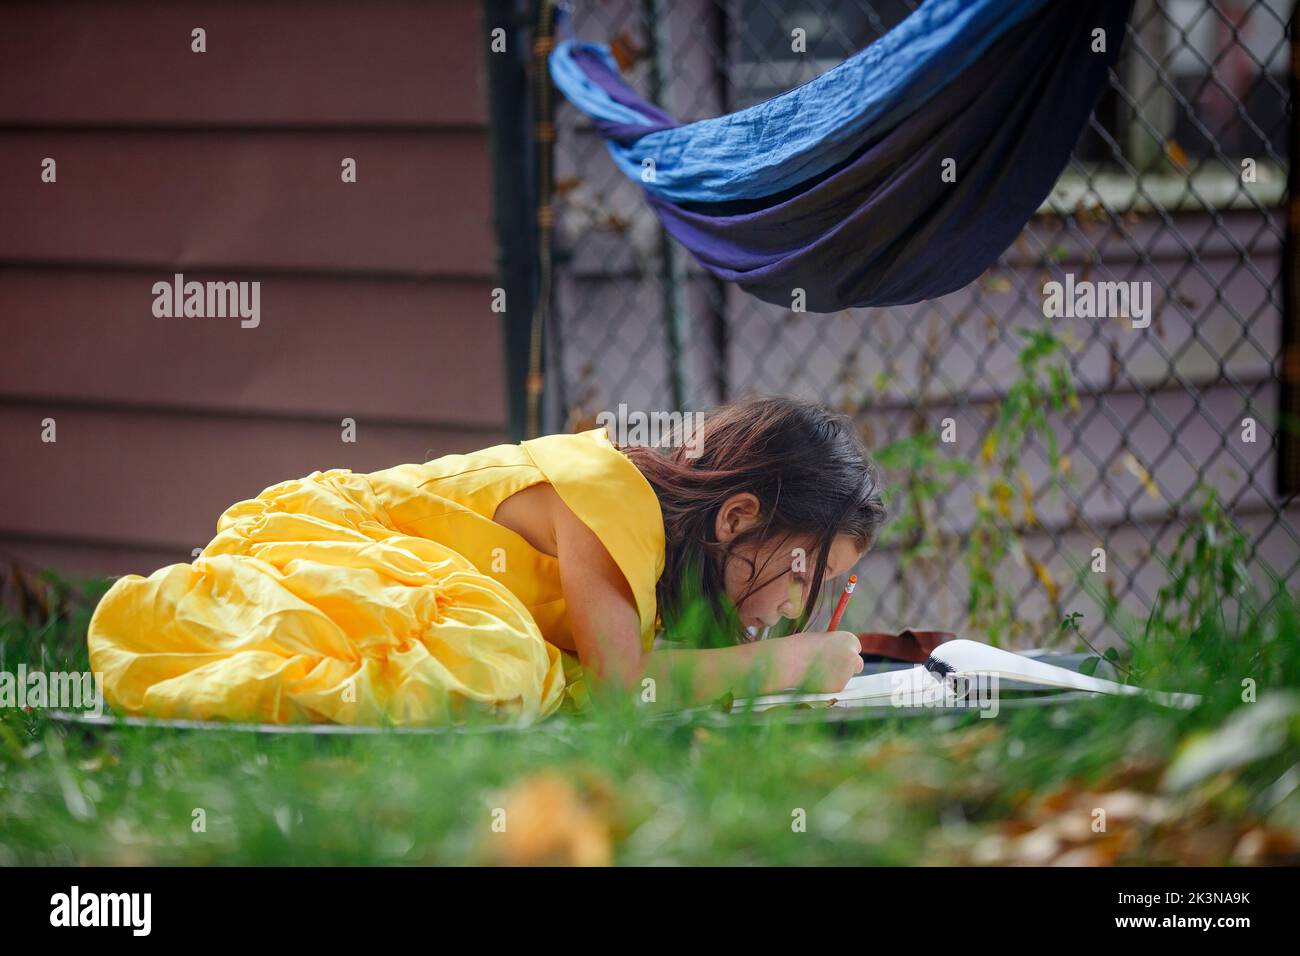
<point x="626" y="51"/>
<point x="549" y="822"/>
<point x="1266" y="845"/>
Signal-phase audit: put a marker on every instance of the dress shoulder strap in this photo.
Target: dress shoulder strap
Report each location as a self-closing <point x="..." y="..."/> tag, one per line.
<point x="610" y="496"/>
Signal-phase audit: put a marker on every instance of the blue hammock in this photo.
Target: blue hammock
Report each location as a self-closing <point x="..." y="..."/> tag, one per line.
<point x="837" y="187"/>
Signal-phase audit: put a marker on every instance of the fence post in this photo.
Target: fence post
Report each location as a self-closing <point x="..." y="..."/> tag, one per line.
<point x="1144" y="151"/>
<point x="672" y="269"/>
<point x="1288" y="452"/>
<point x="514" y="205"/>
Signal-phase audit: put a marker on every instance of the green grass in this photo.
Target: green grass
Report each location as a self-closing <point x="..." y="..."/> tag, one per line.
<point x="943" y="788"/>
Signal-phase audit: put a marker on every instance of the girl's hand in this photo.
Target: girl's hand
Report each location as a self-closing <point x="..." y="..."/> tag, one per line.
<point x="824" y="660"/>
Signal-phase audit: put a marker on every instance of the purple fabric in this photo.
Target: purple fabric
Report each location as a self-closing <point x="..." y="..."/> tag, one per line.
<point x="620" y="92"/>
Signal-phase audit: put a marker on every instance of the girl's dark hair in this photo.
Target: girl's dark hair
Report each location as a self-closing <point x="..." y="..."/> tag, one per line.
<point x="807" y="467"/>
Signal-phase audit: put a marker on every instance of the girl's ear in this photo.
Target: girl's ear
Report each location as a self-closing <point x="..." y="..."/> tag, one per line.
<point x="737" y="515"/>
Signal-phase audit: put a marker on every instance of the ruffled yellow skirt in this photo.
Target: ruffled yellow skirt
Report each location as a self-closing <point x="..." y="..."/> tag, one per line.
<point x="308" y="607"/>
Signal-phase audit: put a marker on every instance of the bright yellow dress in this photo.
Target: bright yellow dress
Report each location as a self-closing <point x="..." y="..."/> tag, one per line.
<point x="389" y="597"/>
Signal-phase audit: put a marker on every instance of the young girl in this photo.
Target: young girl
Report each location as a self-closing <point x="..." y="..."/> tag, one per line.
<point x="507" y="579"/>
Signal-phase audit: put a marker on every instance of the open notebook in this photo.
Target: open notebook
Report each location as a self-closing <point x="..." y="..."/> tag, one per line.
<point x="960" y="673"/>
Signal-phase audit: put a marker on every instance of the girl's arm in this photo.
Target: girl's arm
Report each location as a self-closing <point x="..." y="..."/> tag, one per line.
<point x="607" y="631"/>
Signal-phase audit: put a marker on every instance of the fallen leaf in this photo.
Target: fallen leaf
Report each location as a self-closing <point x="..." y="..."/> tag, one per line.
<point x="1252" y="731"/>
<point x="549" y="822"/>
<point x="626" y="51"/>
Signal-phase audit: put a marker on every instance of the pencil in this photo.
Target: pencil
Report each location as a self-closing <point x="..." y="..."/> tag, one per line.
<point x="844" y="602"/>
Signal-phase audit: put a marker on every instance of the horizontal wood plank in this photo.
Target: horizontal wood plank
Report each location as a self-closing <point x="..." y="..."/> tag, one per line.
<point x="421" y="205"/>
<point x="282" y="62"/>
<point x="80" y="559"/>
<point x="419" y="352"/>
<point x="162" y="480"/>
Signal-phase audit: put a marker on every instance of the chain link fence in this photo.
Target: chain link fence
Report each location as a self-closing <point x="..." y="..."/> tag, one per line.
<point x="1177" y="182"/>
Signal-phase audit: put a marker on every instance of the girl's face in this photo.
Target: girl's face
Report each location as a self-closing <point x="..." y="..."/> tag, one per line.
<point x="782" y="569"/>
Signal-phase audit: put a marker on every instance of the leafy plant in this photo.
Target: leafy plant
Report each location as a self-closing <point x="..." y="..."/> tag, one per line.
<point x="1045" y="384"/>
<point x="926" y="474"/>
<point x="1208" y="576"/>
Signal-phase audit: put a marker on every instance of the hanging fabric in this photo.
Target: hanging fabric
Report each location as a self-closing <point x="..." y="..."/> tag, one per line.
<point x="900" y="175"/>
